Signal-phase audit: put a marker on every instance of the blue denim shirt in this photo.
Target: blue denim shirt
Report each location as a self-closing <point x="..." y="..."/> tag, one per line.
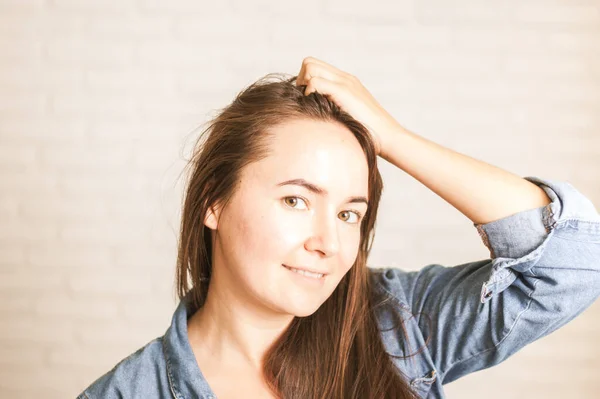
<point x="543" y="271"/>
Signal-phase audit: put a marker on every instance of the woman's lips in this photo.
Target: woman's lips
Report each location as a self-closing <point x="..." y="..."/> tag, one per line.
<point x="306" y="270"/>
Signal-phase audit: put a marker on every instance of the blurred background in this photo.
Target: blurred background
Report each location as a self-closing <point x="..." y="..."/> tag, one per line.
<point x="100" y="102"/>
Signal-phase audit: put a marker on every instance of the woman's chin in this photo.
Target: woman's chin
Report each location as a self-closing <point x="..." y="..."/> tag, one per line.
<point x="303" y="310"/>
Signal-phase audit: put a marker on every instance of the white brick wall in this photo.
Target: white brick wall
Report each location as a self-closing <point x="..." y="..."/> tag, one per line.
<point x="99" y="99"/>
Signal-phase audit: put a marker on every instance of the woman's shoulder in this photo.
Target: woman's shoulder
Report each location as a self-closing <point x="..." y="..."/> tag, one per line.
<point x="139" y="375"/>
<point x="388" y="281"/>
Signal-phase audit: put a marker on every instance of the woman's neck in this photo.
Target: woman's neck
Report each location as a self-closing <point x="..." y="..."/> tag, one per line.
<point x="232" y="329"/>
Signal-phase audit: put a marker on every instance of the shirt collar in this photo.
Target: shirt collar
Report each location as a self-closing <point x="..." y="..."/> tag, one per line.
<point x="185" y="378"/>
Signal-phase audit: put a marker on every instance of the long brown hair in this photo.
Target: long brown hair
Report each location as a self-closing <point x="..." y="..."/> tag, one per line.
<point x="337" y="352"/>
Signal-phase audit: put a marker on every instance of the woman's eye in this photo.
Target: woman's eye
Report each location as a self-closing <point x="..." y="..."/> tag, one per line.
<point x="286" y="199"/>
<point x="357" y="216"/>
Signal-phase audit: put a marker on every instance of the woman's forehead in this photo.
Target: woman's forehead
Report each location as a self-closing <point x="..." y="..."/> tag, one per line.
<point x="324" y="153"/>
<point x="301" y="143"/>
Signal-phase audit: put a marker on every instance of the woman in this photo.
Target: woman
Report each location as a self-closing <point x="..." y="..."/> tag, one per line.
<point x="277" y="224"/>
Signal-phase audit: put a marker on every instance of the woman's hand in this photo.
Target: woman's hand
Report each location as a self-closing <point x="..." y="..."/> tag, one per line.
<point x="349" y="94"/>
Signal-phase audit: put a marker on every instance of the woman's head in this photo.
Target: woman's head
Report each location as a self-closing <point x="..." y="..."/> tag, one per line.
<point x="238" y="202"/>
<point x="241" y="223"/>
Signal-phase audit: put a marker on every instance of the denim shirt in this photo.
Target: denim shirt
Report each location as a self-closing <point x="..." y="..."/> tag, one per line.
<point x="543" y="271"/>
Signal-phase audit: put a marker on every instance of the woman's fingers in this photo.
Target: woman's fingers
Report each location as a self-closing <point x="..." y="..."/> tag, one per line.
<point x="311" y="67"/>
<point x="322" y="85"/>
<point x="313" y="60"/>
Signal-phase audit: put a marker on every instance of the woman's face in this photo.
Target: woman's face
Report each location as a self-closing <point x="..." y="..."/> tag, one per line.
<point x="268" y="224"/>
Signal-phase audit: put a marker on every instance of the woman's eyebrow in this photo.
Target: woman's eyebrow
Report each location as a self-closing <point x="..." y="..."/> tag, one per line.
<point x="319" y="190"/>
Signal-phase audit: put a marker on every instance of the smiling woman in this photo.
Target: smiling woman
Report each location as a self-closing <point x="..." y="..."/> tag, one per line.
<point x="294" y="184"/>
<point x="277" y="224"/>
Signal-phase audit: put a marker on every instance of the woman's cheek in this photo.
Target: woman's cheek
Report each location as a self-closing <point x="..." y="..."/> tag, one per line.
<point x="349" y="247"/>
<point x="288" y="226"/>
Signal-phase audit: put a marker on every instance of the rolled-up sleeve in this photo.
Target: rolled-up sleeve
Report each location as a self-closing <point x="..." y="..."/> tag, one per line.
<point x="518" y="241"/>
<point x="544" y="271"/>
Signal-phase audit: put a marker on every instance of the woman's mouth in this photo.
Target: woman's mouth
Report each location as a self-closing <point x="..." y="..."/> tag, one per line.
<point x="314" y="276"/>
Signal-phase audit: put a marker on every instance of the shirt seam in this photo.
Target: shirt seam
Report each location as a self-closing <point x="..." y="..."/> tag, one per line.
<point x="169" y="376"/>
<point x="392" y="295"/>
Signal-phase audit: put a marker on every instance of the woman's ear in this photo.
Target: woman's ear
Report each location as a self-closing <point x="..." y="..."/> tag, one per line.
<point x="211" y="218"/>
